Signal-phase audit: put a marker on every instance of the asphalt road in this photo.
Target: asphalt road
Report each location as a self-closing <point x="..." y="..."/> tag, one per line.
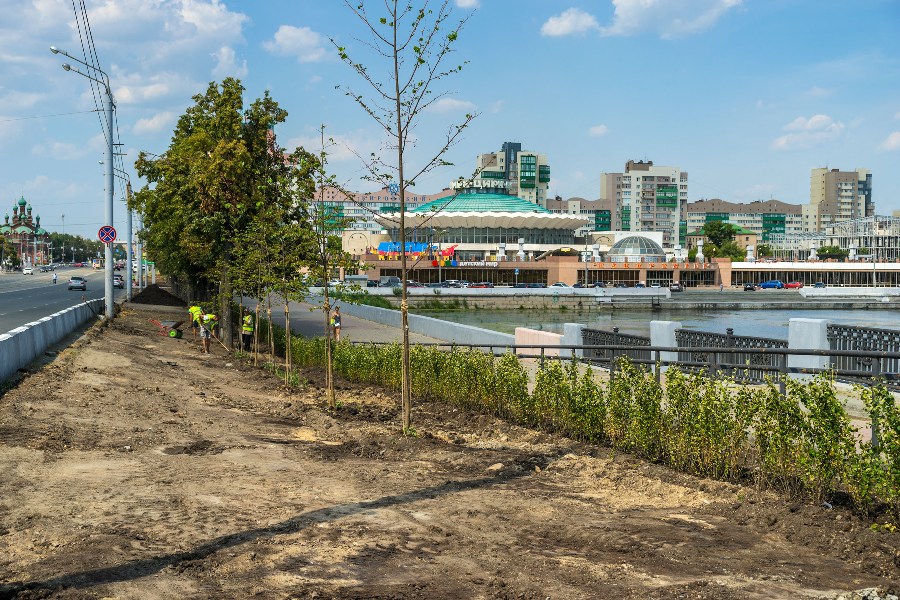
<point x="27" y="298"/>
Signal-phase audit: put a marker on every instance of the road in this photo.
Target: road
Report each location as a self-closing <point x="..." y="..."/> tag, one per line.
<point x="27" y="298"/>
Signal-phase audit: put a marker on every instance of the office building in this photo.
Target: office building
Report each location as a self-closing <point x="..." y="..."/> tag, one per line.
<point x="525" y="174"/>
<point x="836" y="196"/>
<point x="765" y="218"/>
<point x="647" y="197"/>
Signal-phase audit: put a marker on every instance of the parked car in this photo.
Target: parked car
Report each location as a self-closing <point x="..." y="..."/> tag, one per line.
<point x="676" y="287"/>
<point x="537" y="285"/>
<point x="78" y="283"/>
<point x="654" y="286"/>
<point x="119" y="282"/>
<point x="27" y="271"/>
<point x="560" y="284"/>
<point x="749" y="287"/>
<point x="600" y="284"/>
<point x="819" y="284"/>
<point x="794" y="285"/>
<point x="621" y="285"/>
<point x="413" y="284"/>
<point x="771" y="284"/>
<point x="640" y="284"/>
<point x="437" y="284"/>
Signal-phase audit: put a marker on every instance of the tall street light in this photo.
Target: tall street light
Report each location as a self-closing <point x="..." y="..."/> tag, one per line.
<point x="108" y="104"/>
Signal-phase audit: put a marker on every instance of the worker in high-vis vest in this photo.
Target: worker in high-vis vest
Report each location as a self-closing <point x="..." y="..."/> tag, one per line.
<point x="207" y="325"/>
<point x="195" y="311"/>
<point x="247" y="329"/>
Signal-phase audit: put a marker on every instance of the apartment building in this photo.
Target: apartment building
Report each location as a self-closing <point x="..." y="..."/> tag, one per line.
<point x="526" y="174"/>
<point x="647" y="197"/>
<point x="765" y="218"/>
<point x="596" y="210"/>
<point x="836" y="196"/>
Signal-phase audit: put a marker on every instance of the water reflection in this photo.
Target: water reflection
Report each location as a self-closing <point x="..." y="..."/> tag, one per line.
<point x="759" y="323"/>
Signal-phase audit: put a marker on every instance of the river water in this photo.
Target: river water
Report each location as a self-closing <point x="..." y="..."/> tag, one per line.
<point x="769" y="323"/>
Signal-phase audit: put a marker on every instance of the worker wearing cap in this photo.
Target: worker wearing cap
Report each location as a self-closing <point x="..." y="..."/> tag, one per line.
<point x="208" y="323"/>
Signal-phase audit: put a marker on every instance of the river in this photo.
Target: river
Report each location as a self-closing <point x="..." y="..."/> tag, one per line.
<point x="759" y="323"/>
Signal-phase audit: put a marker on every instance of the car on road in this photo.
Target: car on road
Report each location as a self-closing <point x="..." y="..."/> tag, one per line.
<point x="676" y="287"/>
<point x="794" y="285"/>
<point x="819" y="284"/>
<point x="640" y="284"/>
<point x="27" y="271"/>
<point x="749" y="287"/>
<point x="77" y="264"/>
<point x="537" y="285"/>
<point x="119" y="282"/>
<point x="772" y="284"/>
<point x="561" y="284"/>
<point x="78" y="283"/>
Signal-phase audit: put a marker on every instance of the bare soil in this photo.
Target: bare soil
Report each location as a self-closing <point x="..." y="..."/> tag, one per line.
<point x="132" y="466"/>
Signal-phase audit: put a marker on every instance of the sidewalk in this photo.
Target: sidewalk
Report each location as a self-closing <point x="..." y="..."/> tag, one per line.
<point x="307" y="320"/>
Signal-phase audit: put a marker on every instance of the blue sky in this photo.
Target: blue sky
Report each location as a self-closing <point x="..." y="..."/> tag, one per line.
<point x="745" y="95"/>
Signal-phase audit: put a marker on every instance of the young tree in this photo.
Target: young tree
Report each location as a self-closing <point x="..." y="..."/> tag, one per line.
<point x="719" y="232"/>
<point x="413" y="45"/>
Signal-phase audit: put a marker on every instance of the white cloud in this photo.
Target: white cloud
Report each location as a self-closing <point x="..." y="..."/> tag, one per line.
<point x="58" y="151"/>
<point x="342" y="148"/>
<point x="227" y="64"/>
<point x="667" y="18"/>
<point x="445" y="105"/>
<point x="598" y="130"/>
<point x="891" y="143"/>
<point x="302" y="42"/>
<point x="18" y="100"/>
<point x="468" y="3"/>
<point x="818" y="92"/>
<point x="809" y="132"/>
<point x="156" y="123"/>
<point x="571" y="21"/>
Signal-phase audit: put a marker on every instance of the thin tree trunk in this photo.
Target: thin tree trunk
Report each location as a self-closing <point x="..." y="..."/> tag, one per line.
<point x="288" y="355"/>
<point x="405" y="401"/>
<point x="226" y="296"/>
<point x="329" y="331"/>
<point x="256" y="337"/>
<point x="271" y="328"/>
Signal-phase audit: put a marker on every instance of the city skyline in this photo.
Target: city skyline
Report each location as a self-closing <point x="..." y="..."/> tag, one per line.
<point x="746" y="98"/>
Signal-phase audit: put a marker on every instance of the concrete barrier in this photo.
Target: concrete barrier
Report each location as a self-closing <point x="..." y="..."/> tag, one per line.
<point x="446" y="331"/>
<point x="533" y="337"/>
<point x="20" y="346"/>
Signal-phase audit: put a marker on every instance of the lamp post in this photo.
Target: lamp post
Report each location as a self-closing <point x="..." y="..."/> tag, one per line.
<point x="108" y="104"/>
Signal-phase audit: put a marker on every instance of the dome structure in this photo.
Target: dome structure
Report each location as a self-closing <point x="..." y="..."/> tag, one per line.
<point x="636" y="248"/>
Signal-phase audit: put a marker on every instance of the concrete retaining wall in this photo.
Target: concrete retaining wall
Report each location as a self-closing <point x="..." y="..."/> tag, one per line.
<point x="22" y="345"/>
<point x="533" y="337"/>
<point x="434" y="328"/>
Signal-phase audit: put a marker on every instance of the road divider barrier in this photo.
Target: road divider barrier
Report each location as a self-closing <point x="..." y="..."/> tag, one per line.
<point x="20" y="346"/>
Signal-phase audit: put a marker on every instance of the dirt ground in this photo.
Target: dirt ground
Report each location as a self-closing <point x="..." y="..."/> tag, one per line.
<point x="132" y="466"/>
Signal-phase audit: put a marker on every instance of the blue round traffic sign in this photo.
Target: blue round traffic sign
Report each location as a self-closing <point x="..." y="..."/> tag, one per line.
<point x="107" y="234"/>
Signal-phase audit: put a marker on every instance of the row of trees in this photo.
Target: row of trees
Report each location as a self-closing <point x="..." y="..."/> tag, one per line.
<point x="227" y="210"/>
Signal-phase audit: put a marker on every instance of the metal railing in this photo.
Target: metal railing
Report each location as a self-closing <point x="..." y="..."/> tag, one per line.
<point x="614" y="345"/>
<point x="750" y="367"/>
<point x="847" y="337"/>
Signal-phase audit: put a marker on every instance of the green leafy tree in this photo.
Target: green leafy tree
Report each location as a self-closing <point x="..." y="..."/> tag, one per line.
<point x="719" y="232"/>
<point x="764" y="250"/>
<point x="834" y="252"/>
<point x="411" y="47"/>
<point x="219" y="173"/>
<point x="8" y="255"/>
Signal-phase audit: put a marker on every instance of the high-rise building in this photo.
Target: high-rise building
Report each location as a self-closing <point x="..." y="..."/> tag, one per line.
<point x="648" y="198"/>
<point x="765" y="218"/>
<point x="526" y="174"/>
<point x="836" y="196"/>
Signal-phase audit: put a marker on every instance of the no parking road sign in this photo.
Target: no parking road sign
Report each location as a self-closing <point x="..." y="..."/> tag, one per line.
<point x="107" y="234"/>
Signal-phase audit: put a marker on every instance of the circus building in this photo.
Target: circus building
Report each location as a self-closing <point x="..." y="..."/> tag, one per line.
<point x="26" y="234"/>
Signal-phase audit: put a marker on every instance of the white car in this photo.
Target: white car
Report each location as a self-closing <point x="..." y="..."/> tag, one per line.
<point x="27" y="271"/>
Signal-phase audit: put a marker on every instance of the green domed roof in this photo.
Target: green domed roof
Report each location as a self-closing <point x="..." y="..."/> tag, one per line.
<point x="40" y="231"/>
<point x="481" y="202"/>
<point x="22" y="201"/>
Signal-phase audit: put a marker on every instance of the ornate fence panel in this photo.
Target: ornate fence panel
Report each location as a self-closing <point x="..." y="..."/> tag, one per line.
<point x="847" y="337"/>
<point x="750" y="367"/>
<point x="598" y="337"/>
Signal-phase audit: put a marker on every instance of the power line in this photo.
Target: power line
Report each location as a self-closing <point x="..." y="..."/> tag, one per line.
<point x="80" y="112"/>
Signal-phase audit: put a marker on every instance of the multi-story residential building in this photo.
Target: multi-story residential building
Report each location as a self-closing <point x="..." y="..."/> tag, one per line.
<point x="527" y="173"/>
<point x="596" y="210"/>
<point x="836" y="196"/>
<point x="648" y="198"/>
<point x="765" y="218"/>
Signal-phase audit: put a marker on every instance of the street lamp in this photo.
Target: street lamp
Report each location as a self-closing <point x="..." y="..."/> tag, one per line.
<point x="129" y="259"/>
<point x="108" y="105"/>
